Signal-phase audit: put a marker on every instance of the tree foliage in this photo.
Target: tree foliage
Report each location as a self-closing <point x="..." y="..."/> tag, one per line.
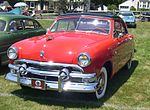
<point x="13" y="2"/>
<point x="112" y="7"/>
<point x="62" y="6"/>
<point x="133" y="8"/>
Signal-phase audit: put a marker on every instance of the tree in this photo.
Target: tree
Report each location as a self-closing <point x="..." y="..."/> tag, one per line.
<point x="62" y="6"/>
<point x="133" y="8"/>
<point x="112" y="7"/>
<point x="73" y="5"/>
<point x="13" y="2"/>
<point x="97" y="3"/>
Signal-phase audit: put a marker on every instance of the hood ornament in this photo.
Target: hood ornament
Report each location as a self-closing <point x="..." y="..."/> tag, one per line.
<point x="41" y="53"/>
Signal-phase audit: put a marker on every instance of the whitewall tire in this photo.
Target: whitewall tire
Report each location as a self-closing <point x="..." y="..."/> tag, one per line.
<point x="102" y="83"/>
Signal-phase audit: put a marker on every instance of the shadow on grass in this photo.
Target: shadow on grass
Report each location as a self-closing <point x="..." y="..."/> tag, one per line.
<point x="68" y="99"/>
<point x="4" y="69"/>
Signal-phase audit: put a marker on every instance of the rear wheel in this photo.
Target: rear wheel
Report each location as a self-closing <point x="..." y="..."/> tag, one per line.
<point x="129" y="64"/>
<point x="102" y="83"/>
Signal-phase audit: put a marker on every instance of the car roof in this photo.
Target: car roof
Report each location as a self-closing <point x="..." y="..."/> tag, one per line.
<point x="103" y="15"/>
<point x="6" y="16"/>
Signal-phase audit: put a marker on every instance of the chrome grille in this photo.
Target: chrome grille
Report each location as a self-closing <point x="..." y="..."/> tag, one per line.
<point x="48" y="66"/>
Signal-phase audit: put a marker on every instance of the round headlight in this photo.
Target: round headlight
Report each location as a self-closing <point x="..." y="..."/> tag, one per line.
<point x="84" y="60"/>
<point x="12" y="53"/>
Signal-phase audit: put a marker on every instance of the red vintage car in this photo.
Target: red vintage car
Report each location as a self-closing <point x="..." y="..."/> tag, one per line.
<point x="79" y="53"/>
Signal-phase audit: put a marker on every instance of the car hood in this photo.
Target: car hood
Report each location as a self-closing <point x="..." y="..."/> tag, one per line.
<point x="57" y="47"/>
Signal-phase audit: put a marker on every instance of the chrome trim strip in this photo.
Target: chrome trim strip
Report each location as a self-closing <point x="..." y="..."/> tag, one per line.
<point x="49" y="73"/>
<point x="50" y="64"/>
<point x="53" y="85"/>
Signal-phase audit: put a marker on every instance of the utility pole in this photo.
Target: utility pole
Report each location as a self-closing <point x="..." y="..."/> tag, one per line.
<point x="88" y="4"/>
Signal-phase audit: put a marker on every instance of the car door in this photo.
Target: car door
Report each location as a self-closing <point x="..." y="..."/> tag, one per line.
<point x="121" y="45"/>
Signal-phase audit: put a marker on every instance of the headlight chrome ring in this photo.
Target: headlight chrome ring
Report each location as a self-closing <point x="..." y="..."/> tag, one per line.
<point x="84" y="60"/>
<point x="12" y="53"/>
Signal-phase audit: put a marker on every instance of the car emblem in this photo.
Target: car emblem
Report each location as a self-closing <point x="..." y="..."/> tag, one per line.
<point x="41" y="53"/>
<point x="23" y="69"/>
<point x="38" y="83"/>
<point x="64" y="74"/>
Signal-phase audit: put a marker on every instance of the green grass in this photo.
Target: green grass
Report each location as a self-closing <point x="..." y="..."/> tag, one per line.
<point x="45" y="23"/>
<point x="127" y="90"/>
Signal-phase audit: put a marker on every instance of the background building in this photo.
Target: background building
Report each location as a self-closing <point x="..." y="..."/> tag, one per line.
<point x="144" y="4"/>
<point x="125" y="6"/>
<point x="137" y="4"/>
<point x="41" y="4"/>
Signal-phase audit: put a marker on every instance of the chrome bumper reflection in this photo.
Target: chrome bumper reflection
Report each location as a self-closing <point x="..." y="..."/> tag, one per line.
<point x="87" y="82"/>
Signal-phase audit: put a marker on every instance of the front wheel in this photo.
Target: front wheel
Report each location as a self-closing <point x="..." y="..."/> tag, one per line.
<point x="102" y="83"/>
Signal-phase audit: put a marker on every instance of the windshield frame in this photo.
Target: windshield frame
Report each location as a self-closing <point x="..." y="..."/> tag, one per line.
<point x="79" y="19"/>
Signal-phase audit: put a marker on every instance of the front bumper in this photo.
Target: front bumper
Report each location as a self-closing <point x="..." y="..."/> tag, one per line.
<point x="76" y="81"/>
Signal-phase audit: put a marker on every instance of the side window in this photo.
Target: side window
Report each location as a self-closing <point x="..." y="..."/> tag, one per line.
<point x="124" y="28"/>
<point x="64" y="26"/>
<point x="19" y="25"/>
<point x="2" y="25"/>
<point x="16" y="25"/>
<point x="12" y="26"/>
<point x="36" y="25"/>
<point x="119" y="28"/>
<point x="28" y="24"/>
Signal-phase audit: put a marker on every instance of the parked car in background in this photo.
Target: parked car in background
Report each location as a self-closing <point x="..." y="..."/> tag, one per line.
<point x="145" y="16"/>
<point x="14" y="28"/>
<point x="79" y="53"/>
<point x="128" y="17"/>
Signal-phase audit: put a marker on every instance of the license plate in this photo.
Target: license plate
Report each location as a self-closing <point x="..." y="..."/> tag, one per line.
<point x="38" y="84"/>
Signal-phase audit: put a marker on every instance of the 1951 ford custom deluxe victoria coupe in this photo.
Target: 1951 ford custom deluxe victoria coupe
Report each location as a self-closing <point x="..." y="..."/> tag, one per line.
<point x="79" y="53"/>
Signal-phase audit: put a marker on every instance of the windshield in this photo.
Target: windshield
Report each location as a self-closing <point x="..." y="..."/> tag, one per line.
<point x="82" y="24"/>
<point x="2" y="25"/>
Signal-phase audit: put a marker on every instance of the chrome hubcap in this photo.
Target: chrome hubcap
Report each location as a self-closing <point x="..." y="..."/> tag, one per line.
<point x="101" y="83"/>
